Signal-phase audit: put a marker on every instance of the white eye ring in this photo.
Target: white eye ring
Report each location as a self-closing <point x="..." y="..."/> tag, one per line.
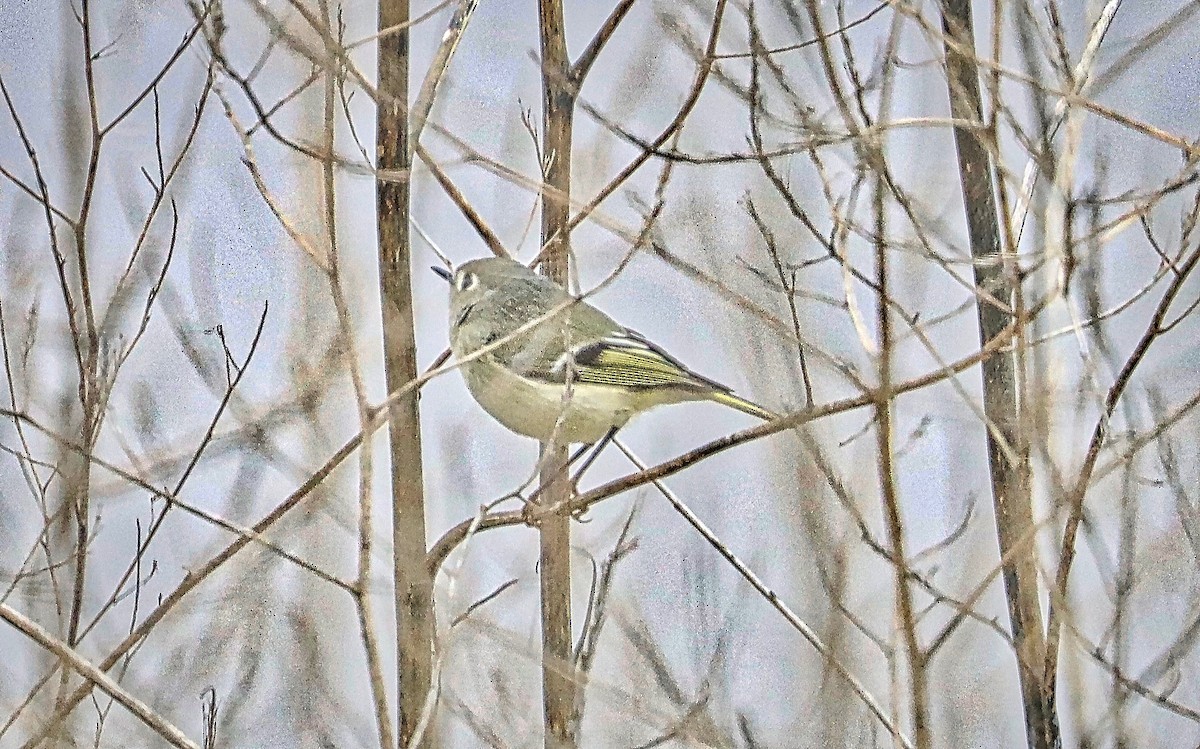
<point x="465" y="281"/>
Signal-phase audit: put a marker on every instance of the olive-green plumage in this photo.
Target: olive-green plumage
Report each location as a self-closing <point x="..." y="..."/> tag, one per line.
<point x="572" y="376"/>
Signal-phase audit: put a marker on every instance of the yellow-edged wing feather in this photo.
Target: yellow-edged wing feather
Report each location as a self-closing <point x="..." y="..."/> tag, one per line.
<point x="633" y="362"/>
<point x="634" y="368"/>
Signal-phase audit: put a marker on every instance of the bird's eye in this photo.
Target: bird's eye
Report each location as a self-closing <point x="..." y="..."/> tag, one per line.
<point x="465" y="281"/>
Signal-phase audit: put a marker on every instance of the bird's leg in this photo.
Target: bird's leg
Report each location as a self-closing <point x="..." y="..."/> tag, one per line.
<point x="576" y="455"/>
<point x="594" y="447"/>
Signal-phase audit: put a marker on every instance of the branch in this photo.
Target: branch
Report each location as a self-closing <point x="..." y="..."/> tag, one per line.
<point x="96" y="676"/>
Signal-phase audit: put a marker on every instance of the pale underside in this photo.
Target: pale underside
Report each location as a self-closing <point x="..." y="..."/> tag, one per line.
<point x="534" y="408"/>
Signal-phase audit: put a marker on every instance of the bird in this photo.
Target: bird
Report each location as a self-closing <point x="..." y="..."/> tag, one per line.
<point x="575" y="375"/>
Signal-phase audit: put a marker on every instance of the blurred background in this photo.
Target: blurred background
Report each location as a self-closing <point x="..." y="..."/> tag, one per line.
<point x="190" y="307"/>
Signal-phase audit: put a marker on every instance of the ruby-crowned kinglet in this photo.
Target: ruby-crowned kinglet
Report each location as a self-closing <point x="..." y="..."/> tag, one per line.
<point x="574" y="375"/>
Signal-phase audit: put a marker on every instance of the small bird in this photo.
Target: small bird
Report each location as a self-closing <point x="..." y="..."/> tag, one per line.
<point x="575" y="377"/>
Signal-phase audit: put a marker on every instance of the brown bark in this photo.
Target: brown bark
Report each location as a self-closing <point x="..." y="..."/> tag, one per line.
<point x="558" y="683"/>
<point x="1001" y="398"/>
<point x="414" y="585"/>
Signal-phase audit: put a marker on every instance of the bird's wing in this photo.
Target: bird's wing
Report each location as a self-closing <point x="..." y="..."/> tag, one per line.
<point x="535" y="352"/>
<point x="625" y="358"/>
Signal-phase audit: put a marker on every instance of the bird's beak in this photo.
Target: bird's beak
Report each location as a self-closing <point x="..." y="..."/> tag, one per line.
<point x="441" y="272"/>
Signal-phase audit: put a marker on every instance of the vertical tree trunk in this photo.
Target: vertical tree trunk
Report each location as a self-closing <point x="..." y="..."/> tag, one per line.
<point x="558" y="684"/>
<point x="414" y="586"/>
<point x="1001" y="398"/>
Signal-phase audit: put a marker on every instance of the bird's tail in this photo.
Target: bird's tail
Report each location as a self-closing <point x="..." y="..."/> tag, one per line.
<point x="743" y="405"/>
